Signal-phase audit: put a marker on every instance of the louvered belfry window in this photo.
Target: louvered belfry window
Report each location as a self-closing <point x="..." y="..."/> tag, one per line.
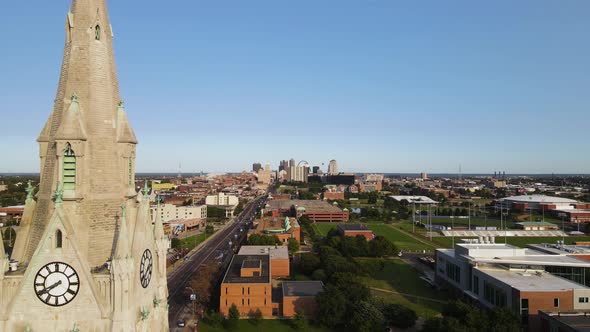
<point x="69" y="165"/>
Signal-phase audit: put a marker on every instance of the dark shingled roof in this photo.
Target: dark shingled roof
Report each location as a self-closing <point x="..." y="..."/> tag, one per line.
<point x="353" y="227"/>
<point x="232" y="276"/>
<point x="302" y="288"/>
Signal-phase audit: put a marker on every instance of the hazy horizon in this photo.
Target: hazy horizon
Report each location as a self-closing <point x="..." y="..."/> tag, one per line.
<point x="405" y="87"/>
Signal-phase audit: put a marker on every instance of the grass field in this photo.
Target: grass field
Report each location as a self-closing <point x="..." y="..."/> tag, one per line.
<point x="401" y="240"/>
<point x="245" y="325"/>
<point x="323" y="228"/>
<point x="193" y="241"/>
<point x="399" y="277"/>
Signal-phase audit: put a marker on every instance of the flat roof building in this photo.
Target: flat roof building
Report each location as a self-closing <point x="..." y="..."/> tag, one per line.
<point x="317" y="211"/>
<point x="524" y="280"/>
<point x="248" y="283"/>
<point x="356" y="229"/>
<point x="535" y="203"/>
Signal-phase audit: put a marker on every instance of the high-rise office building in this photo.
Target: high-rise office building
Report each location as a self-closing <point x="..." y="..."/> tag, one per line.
<point x="87" y="256"/>
<point x="291" y="162"/>
<point x="283" y="165"/>
<point x="316" y="169"/>
<point x="256" y="167"/>
<point x="333" y="167"/>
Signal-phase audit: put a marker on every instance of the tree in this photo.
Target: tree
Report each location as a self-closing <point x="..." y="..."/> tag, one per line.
<point x="263" y="240"/>
<point x="175" y="243"/>
<point x="299" y="321"/>
<point x="319" y="274"/>
<point x="399" y="316"/>
<point x="366" y="317"/>
<point x="233" y="317"/>
<point x="209" y="229"/>
<point x="373" y="197"/>
<point x="308" y="263"/>
<point x="331" y="307"/>
<point x="304" y="220"/>
<point x="239" y="208"/>
<point x="351" y="286"/>
<point x="256" y="317"/>
<point x="201" y="282"/>
<point x="380" y="246"/>
<point x="348" y="247"/>
<point x="293" y="246"/>
<point x="504" y="320"/>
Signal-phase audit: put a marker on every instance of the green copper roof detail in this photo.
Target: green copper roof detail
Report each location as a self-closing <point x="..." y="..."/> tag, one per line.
<point x="59" y="194"/>
<point x="30" y="190"/>
<point x="146" y="189"/>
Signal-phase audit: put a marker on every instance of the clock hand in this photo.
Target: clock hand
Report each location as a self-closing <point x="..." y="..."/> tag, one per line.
<point x="48" y="289"/>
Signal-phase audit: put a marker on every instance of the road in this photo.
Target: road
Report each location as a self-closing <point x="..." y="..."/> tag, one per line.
<point x="178" y="279"/>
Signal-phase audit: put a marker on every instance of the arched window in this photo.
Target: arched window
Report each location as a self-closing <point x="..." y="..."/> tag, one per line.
<point x="58" y="239"/>
<point x="69" y="169"/>
<point x="97" y="32"/>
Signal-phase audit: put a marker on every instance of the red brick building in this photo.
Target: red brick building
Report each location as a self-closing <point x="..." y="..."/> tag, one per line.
<point x="248" y="283"/>
<point x="317" y="211"/>
<point x="356" y="229"/>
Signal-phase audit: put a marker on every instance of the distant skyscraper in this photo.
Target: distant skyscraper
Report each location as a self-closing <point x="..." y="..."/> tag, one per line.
<point x="424" y="176"/>
<point x="284" y="165"/>
<point x="298" y="173"/>
<point x="256" y="167"/>
<point x="291" y="162"/>
<point x="333" y="167"/>
<point x="316" y="169"/>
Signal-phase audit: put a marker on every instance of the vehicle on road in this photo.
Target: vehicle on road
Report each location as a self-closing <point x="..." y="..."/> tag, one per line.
<point x="181" y="323"/>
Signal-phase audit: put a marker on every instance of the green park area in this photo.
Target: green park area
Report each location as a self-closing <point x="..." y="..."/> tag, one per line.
<point x="191" y="242"/>
<point x="402" y="240"/>
<point x="245" y="325"/>
<point x="398" y="282"/>
<point x="322" y="229"/>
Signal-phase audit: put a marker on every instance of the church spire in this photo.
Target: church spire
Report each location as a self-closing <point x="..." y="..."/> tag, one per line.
<point x="87" y="144"/>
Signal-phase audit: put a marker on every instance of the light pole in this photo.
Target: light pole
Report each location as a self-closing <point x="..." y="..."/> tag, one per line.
<point x="413" y="217"/>
<point x="469" y="216"/>
<point x="193" y="299"/>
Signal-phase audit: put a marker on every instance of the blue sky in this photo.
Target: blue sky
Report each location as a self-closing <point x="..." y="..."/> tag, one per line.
<point x="385" y="86"/>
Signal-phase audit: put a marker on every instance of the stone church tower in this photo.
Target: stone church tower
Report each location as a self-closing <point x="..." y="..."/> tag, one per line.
<point x="87" y="256"/>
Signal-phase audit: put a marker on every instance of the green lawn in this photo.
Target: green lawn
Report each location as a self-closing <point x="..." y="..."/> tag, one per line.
<point x="400" y="277"/>
<point x="323" y="228"/>
<point x="193" y="241"/>
<point x="244" y="325"/>
<point x="401" y="240"/>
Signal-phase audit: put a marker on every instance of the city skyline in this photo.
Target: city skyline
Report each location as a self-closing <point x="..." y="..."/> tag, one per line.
<point x="486" y="86"/>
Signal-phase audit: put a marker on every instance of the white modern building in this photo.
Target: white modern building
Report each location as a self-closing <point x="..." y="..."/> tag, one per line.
<point x="523" y="280"/>
<point x="535" y="203"/>
<point x="333" y="168"/>
<point x="298" y="173"/>
<point x="169" y="212"/>
<point x="221" y="199"/>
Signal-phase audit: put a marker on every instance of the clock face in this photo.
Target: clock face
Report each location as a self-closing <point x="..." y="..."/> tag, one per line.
<point x="145" y="268"/>
<point x="57" y="284"/>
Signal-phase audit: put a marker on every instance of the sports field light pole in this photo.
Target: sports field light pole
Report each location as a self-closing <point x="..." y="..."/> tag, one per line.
<point x="413" y="216"/>
<point x="563" y="228"/>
